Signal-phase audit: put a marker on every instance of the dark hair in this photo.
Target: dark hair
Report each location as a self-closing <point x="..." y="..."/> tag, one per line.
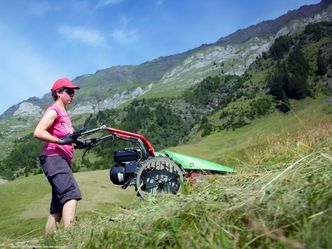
<point x="54" y="95"/>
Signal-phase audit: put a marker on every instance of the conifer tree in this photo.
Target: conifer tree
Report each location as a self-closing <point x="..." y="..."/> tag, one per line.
<point x="277" y="81"/>
<point x="321" y="64"/>
<point x="280" y="46"/>
<point x="298" y="71"/>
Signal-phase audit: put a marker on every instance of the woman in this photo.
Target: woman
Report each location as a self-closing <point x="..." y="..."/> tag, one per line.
<point x="55" y="129"/>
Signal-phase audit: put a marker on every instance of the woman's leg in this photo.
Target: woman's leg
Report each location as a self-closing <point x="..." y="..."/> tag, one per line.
<point x="68" y="213"/>
<point x="52" y="223"/>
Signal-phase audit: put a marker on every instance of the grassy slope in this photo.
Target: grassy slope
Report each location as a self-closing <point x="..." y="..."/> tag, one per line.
<point x="235" y="147"/>
<point x="24" y="202"/>
<point x="203" y="215"/>
<point x="280" y="199"/>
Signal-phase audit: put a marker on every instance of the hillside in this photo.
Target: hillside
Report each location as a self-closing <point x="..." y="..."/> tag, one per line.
<point x="279" y="199"/>
<point x="272" y="27"/>
<point x="278" y="141"/>
<point x="258" y="100"/>
<point x="25" y="202"/>
<point x="168" y="76"/>
<point x="293" y="68"/>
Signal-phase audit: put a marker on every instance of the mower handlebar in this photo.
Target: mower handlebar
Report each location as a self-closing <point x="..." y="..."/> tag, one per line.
<point x="145" y="144"/>
<point x="85" y="143"/>
<point x="77" y="134"/>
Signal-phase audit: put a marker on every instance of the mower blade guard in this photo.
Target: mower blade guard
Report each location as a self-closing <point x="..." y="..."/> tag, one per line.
<point x="195" y="163"/>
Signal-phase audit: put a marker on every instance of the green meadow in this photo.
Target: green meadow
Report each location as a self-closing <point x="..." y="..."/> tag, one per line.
<point x="24" y="203"/>
<point x="273" y="133"/>
<point x="280" y="198"/>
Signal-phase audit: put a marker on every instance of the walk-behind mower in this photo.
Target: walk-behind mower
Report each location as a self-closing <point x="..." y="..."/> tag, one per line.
<point x="150" y="172"/>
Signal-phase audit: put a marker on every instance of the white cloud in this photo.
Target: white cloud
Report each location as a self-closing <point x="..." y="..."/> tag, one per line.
<point x="125" y="36"/>
<point x="86" y="35"/>
<point x="104" y="3"/>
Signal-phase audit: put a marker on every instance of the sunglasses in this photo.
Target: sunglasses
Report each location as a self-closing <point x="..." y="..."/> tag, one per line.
<point x="69" y="91"/>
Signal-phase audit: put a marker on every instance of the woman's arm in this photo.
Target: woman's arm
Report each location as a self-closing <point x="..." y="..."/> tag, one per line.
<point x="46" y="122"/>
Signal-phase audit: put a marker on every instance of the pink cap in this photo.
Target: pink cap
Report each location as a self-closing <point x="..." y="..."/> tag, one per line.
<point x="63" y="82"/>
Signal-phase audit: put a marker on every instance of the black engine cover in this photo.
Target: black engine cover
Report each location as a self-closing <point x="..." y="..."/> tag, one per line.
<point x="125" y="155"/>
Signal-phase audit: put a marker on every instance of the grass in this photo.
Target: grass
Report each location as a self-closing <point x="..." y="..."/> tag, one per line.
<point x="281" y="197"/>
<point x="275" y="132"/>
<point x="287" y="208"/>
<point x="24" y="203"/>
<point x="14" y="199"/>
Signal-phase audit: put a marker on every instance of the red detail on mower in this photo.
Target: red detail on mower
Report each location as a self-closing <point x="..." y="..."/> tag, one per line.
<point x="128" y="135"/>
<point x="192" y="176"/>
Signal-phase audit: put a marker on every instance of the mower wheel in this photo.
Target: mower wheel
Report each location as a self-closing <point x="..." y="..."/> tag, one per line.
<point x="158" y="175"/>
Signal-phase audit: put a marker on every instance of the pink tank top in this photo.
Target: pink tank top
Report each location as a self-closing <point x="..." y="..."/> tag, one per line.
<point x="60" y="128"/>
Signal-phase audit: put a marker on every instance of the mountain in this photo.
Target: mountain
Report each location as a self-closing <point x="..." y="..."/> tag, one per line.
<point x="273" y="27"/>
<point x="296" y="67"/>
<point x="170" y="75"/>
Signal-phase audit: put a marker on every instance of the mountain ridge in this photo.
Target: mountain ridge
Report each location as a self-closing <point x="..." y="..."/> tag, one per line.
<point x="272" y="26"/>
<point x="231" y="54"/>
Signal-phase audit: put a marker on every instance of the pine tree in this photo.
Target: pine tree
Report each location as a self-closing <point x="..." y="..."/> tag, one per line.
<point x="296" y="87"/>
<point x="277" y="81"/>
<point x="321" y="64"/>
<point x="330" y="60"/>
<point x="298" y="71"/>
<point x="280" y="46"/>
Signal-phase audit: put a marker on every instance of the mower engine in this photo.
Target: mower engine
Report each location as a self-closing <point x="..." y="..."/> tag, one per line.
<point x="125" y="165"/>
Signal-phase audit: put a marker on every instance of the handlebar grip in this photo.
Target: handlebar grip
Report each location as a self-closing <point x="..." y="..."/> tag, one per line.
<point x="76" y="134"/>
<point x="85" y="132"/>
<point x="79" y="133"/>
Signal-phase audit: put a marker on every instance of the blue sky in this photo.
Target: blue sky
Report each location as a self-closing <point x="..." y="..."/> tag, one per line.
<point x="43" y="40"/>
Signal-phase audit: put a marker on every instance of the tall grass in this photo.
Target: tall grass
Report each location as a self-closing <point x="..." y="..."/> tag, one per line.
<point x="279" y="149"/>
<point x="281" y="198"/>
<point x="289" y="209"/>
<point x="24" y="203"/>
<point x="282" y="205"/>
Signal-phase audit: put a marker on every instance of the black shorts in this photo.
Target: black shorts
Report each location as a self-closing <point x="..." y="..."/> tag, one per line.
<point x="61" y="178"/>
